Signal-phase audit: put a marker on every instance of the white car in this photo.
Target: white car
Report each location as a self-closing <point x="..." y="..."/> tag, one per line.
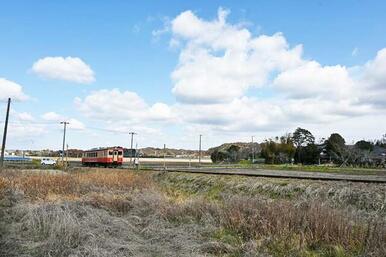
<point x="47" y="161"/>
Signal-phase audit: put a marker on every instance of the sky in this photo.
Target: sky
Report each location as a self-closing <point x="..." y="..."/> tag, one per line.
<point x="170" y="71"/>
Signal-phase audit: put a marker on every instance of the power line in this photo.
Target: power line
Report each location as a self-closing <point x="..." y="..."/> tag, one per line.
<point x="26" y="122"/>
<point x="55" y="123"/>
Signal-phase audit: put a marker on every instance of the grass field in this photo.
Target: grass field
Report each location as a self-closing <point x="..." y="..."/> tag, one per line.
<point x="309" y="168"/>
<point x="107" y="212"/>
<point x="325" y="168"/>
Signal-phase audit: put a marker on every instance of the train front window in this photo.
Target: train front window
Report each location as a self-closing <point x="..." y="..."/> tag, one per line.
<point x="110" y="152"/>
<point x="119" y="152"/>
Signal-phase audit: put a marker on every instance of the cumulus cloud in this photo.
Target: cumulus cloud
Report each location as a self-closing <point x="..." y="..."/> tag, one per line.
<point x="10" y="89"/>
<point x="55" y="117"/>
<point x="220" y="61"/>
<point x="23" y="125"/>
<point x="113" y="105"/>
<point x="311" y="80"/>
<point x="52" y="116"/>
<point x="375" y="71"/>
<point x="25" y="116"/>
<point x="68" y="68"/>
<point x="76" y="124"/>
<point x="223" y="73"/>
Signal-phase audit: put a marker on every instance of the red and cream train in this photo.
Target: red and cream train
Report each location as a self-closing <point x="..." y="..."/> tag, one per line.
<point x="107" y="157"/>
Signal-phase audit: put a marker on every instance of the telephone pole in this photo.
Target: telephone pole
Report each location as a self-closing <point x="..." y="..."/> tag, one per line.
<point x="164" y="156"/>
<point x="199" y="152"/>
<point x="5" y="134"/>
<point x="253" y="151"/>
<point x="65" y="123"/>
<point x="131" y="146"/>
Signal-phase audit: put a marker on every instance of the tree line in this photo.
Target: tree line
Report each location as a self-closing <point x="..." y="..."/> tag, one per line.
<point x="300" y="147"/>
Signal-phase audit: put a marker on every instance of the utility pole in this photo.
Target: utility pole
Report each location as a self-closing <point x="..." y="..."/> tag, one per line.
<point x="66" y="154"/>
<point x="65" y="123"/>
<point x="253" y="151"/>
<point x="131" y="146"/>
<point x="164" y="156"/>
<point x="136" y="159"/>
<point x="199" y="152"/>
<point x="5" y="135"/>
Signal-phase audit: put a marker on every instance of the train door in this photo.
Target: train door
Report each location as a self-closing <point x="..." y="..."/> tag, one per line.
<point x="115" y="156"/>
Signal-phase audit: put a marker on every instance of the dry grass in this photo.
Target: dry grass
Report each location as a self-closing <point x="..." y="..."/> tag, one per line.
<point x="309" y="226"/>
<point x="43" y="186"/>
<point x="120" y="213"/>
<point x="367" y="199"/>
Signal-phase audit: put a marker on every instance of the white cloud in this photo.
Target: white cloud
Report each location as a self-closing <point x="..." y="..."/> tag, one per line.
<point x="219" y="64"/>
<point x="76" y="124"/>
<point x="64" y="68"/>
<point x="52" y="116"/>
<point x="55" y="117"/>
<point x="25" y="116"/>
<point x="220" y="61"/>
<point x="221" y="70"/>
<point x="11" y="89"/>
<point x="19" y="130"/>
<point x="372" y="80"/>
<point x="113" y="105"/>
<point x="311" y="80"/>
<point x="23" y="125"/>
<point x="375" y="71"/>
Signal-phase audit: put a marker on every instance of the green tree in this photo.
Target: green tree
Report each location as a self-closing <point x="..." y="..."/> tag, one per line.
<point x="310" y="154"/>
<point x="218" y="156"/>
<point x="301" y="138"/>
<point x="364" y="145"/>
<point x="336" y="147"/>
<point x="278" y="150"/>
<point x="233" y="153"/>
<point x="381" y="142"/>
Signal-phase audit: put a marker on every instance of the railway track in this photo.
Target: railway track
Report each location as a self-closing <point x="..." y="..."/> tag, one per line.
<point x="282" y="174"/>
<point x="256" y="172"/>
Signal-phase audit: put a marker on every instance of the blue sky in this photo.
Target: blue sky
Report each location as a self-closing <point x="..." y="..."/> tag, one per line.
<point x="127" y="46"/>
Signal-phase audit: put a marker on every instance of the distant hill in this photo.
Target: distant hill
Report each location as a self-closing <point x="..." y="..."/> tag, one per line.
<point x="170" y="152"/>
<point x="244" y="147"/>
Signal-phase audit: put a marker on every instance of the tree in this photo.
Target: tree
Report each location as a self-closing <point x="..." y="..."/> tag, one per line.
<point x="310" y="154"/>
<point x="233" y="153"/>
<point x="279" y="150"/>
<point x="336" y="147"/>
<point x="364" y="145"/>
<point x="268" y="151"/>
<point x="218" y="156"/>
<point x="381" y="142"/>
<point x="301" y="138"/>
